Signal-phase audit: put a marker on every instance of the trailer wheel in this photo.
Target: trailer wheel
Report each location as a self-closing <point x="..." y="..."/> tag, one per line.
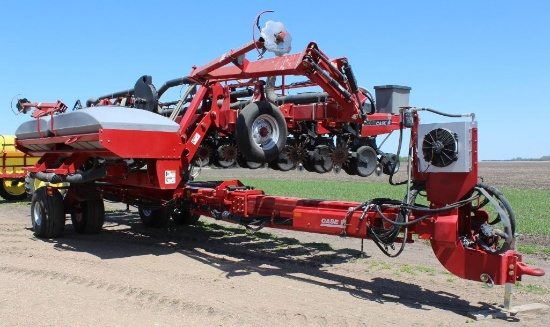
<point x="88" y="216"/>
<point x="261" y="132"/>
<point x="154" y="217"/>
<point x="47" y="213"/>
<point x="184" y="216"/>
<point x="12" y="189"/>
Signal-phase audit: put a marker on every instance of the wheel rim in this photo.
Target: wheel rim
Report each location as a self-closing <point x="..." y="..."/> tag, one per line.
<point x="265" y="132"/>
<point x="13" y="187"/>
<point x="37" y="214"/>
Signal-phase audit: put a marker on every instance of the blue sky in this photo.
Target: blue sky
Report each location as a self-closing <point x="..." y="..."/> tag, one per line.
<point x="491" y="58"/>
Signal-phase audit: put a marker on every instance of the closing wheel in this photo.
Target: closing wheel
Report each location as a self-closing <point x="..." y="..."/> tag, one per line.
<point x="12" y="189"/>
<point x="261" y="132"/>
<point x="183" y="216"/>
<point x="226" y="155"/>
<point x="154" y="217"/>
<point x="366" y="161"/>
<point x="204" y="155"/>
<point x="320" y="159"/>
<point x="47" y="213"/>
<point x="283" y="162"/>
<point x="390" y="162"/>
<point x="88" y="216"/>
<point x="241" y="160"/>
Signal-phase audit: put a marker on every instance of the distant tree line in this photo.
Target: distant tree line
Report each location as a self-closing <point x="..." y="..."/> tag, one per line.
<point x="543" y="158"/>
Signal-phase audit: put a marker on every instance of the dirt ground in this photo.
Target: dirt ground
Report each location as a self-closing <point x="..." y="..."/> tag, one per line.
<point x="217" y="275"/>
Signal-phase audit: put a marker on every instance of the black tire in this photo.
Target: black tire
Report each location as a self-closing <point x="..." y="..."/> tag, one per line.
<point x="261" y="132"/>
<point x="222" y="162"/>
<point x="88" y="216"/>
<point x="503" y="203"/>
<point x="320" y="160"/>
<point x="156" y="218"/>
<point x="241" y="160"/>
<point x="366" y="161"/>
<point x="390" y="162"/>
<point x="283" y="162"/>
<point x="183" y="216"/>
<point x="29" y="185"/>
<point x="12" y="192"/>
<point x="47" y="213"/>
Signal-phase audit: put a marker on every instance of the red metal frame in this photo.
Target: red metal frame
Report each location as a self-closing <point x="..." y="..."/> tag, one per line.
<point x="164" y="181"/>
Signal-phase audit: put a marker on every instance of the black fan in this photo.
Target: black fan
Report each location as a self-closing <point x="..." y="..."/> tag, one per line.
<point x="440" y="147"/>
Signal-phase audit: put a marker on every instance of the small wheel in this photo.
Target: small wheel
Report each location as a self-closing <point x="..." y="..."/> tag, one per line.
<point x="241" y="160"/>
<point x="261" y="132"/>
<point x="88" y="216"/>
<point x="366" y="161"/>
<point x="47" y="213"/>
<point x="204" y="155"/>
<point x="12" y="189"/>
<point x="183" y="216"/>
<point x="253" y="165"/>
<point x="226" y="155"/>
<point x="154" y="217"/>
<point x="283" y="162"/>
<point x="320" y="160"/>
<point x="390" y="162"/>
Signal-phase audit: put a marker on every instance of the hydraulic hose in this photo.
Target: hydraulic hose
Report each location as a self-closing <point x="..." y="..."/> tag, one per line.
<point x="172" y="83"/>
<point x="77" y="178"/>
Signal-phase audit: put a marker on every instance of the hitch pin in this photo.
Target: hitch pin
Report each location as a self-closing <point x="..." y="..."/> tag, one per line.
<point x="486" y="278"/>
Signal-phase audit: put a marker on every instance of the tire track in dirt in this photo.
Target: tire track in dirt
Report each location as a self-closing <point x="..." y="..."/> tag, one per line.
<point x="153" y="300"/>
<point x="142" y="296"/>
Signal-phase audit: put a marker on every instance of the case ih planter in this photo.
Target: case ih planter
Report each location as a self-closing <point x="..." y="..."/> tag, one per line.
<point x="131" y="147"/>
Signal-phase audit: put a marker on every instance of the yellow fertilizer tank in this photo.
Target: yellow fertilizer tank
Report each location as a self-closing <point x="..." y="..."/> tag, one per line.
<point x="12" y="175"/>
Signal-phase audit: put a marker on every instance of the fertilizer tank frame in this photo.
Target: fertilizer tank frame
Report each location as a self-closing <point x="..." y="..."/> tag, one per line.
<point x="130" y="147"/>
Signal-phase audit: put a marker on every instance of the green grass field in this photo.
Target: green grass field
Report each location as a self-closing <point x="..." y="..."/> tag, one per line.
<point x="531" y="207"/>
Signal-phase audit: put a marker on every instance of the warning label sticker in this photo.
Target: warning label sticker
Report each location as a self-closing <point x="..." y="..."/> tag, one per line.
<point x="169" y="177"/>
<point x="195" y="138"/>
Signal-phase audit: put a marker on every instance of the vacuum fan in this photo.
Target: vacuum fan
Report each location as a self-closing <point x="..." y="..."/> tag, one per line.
<point x="445" y="147"/>
<point x="440" y="147"/>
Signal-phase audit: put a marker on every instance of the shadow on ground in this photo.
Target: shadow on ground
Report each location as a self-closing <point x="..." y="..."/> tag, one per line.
<point x="237" y="253"/>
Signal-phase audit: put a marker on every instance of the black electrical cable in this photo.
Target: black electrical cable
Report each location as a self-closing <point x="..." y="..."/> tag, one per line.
<point x="399" y="144"/>
<point x="424" y="209"/>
